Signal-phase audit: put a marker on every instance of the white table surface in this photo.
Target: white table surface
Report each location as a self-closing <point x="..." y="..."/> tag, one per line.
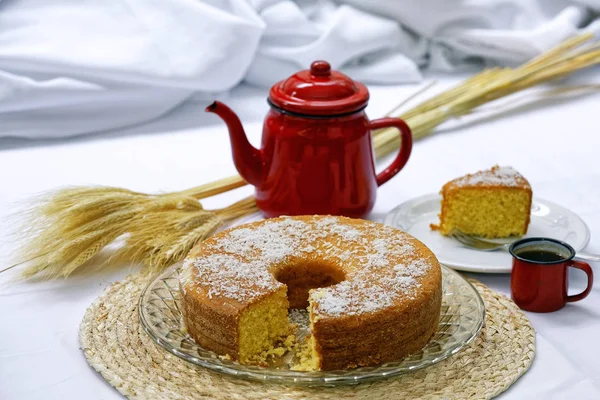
<point x="557" y="147"/>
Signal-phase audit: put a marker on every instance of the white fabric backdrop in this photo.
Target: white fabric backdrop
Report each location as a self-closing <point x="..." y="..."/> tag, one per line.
<point x="69" y="67"/>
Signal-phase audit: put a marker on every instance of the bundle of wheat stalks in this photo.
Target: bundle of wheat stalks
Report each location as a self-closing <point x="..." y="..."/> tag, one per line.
<point x="63" y="230"/>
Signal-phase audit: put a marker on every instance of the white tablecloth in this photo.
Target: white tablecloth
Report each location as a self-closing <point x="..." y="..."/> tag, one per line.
<point x="556" y="147"/>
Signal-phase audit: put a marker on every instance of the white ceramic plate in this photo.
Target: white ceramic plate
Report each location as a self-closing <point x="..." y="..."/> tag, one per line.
<point x="547" y="220"/>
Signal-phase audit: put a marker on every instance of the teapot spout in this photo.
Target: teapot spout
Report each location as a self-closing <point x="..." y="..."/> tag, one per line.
<point x="247" y="159"/>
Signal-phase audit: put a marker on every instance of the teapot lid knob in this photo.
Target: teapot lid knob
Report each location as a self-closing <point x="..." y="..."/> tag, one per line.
<point x="320" y="68"/>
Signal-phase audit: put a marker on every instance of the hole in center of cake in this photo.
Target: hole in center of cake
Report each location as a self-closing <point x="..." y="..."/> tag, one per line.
<point x="300" y="278"/>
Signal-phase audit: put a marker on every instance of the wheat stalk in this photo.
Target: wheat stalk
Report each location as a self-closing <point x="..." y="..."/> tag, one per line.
<point x="62" y="231"/>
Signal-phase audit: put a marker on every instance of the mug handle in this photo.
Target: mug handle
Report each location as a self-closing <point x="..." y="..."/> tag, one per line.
<point x="405" y="146"/>
<point x="585" y="267"/>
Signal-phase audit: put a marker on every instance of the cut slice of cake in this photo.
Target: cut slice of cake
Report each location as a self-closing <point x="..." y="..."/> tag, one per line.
<point x="494" y="203"/>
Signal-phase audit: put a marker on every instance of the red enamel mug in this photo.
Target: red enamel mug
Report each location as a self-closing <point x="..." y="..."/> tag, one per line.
<point x="539" y="279"/>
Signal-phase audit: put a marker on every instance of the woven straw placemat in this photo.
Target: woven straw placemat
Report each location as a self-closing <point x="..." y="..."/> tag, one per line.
<point x="117" y="347"/>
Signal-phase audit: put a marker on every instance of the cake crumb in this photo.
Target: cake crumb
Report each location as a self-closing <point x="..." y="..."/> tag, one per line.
<point x="278" y="350"/>
<point x="304" y="357"/>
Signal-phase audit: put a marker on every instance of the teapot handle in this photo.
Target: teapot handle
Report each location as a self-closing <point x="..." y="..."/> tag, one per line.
<point x="405" y="146"/>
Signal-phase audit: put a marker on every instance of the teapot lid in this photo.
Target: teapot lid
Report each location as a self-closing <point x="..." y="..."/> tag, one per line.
<point x="319" y="91"/>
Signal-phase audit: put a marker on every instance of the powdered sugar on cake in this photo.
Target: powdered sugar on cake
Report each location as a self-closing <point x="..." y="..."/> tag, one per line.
<point x="238" y="263"/>
<point x="379" y="284"/>
<point x="497" y="176"/>
<point x="221" y="271"/>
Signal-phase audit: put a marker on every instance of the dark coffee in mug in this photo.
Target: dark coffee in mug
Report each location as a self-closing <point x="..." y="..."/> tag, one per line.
<point x="540" y="256"/>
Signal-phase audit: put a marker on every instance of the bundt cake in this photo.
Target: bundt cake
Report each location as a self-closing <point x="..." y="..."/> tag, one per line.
<point x="373" y="292"/>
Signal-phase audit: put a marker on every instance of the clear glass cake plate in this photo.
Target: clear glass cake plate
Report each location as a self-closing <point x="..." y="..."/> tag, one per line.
<point x="462" y="317"/>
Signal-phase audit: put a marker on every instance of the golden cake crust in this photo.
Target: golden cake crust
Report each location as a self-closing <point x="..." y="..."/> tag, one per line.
<point x="382" y="304"/>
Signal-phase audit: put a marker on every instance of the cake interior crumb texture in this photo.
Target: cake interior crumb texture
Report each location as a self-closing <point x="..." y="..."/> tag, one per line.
<point x="494" y="203"/>
<point x="262" y="325"/>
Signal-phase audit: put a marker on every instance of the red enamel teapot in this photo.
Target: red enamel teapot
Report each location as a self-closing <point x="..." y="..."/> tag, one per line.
<point x="316" y="155"/>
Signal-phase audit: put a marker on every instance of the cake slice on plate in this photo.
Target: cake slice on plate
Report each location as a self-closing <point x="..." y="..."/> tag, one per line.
<point x="494" y="203"/>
